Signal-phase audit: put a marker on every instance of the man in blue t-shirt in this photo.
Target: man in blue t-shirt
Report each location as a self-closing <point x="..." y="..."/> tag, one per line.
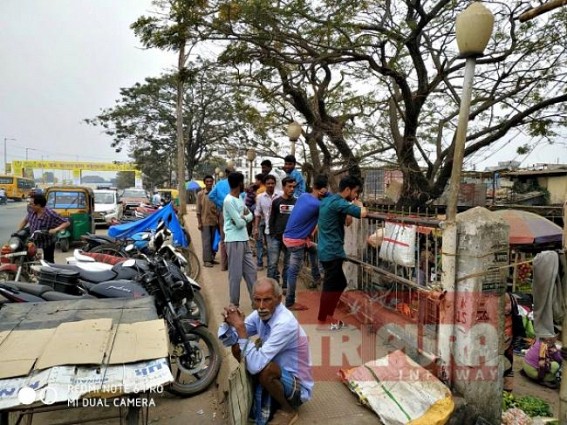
<point x="289" y="168"/>
<point x="335" y="213"/>
<point x="297" y="238"/>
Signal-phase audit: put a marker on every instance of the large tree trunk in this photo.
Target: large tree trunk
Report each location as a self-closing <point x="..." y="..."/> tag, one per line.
<point x="416" y="191"/>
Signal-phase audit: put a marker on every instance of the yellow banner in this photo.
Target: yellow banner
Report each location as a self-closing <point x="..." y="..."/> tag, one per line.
<point x="73" y="165"/>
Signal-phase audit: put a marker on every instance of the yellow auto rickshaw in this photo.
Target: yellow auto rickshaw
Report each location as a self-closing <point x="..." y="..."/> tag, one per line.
<point x="75" y="203"/>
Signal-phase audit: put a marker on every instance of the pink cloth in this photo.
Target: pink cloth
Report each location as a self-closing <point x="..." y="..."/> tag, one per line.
<point x="298" y="243"/>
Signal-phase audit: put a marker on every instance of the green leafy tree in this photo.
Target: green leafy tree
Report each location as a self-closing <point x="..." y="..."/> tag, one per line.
<point x="370" y="76"/>
<point x="173" y="28"/>
<point x="144" y="121"/>
<point x="125" y="179"/>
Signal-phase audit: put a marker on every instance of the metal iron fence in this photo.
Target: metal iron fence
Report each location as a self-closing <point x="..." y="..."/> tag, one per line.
<point x="408" y="287"/>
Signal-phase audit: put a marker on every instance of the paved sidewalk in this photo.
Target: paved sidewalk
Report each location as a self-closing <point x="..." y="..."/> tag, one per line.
<point x="332" y="402"/>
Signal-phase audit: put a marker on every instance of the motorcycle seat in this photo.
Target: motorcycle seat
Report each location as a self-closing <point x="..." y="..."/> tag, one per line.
<point x="96" y="276"/>
<point x="30" y="288"/>
<point x="103" y="237"/>
<point x="90" y="276"/>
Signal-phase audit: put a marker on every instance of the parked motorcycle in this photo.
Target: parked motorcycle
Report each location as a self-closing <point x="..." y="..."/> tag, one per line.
<point x="195" y="357"/>
<point x="71" y="278"/>
<point x="103" y="244"/>
<point x="19" y="254"/>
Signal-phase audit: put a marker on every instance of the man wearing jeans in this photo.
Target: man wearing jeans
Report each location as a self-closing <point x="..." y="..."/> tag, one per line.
<point x="279" y="215"/>
<point x="297" y="238"/>
<point x="335" y="212"/>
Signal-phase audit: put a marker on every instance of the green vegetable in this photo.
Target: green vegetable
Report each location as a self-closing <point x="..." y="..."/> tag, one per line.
<point x="533" y="406"/>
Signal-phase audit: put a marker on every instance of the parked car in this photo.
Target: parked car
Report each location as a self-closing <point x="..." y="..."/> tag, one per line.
<point x="132" y="198"/>
<point x="107" y="207"/>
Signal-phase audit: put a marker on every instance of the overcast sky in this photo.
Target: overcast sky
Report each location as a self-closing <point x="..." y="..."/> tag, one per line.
<point x="64" y="60"/>
<point x="61" y="62"/>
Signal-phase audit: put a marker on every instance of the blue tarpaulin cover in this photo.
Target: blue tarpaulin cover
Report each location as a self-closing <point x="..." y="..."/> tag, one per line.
<point x="167" y="213"/>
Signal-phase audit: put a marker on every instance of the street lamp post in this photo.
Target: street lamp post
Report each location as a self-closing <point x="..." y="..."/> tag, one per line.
<point x="473" y="30"/>
<point x="5" y="156"/>
<point x="29" y="149"/>
<point x="293" y="132"/>
<point x="251" y="156"/>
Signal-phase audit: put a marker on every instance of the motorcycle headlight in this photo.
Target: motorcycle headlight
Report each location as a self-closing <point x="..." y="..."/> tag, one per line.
<point x="14" y="244"/>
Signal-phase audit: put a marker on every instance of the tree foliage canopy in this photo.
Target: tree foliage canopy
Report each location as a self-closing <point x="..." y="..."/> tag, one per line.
<point x="373" y="81"/>
<point x="395" y="71"/>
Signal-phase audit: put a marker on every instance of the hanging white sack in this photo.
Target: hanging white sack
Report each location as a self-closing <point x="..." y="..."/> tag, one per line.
<point x="398" y="245"/>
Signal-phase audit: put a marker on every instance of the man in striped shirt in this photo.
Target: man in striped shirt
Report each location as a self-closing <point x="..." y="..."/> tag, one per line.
<point x="40" y="217"/>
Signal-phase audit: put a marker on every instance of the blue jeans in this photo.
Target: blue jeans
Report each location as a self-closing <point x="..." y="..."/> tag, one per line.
<point x="275" y="248"/>
<point x="296" y="255"/>
<point x="260" y="245"/>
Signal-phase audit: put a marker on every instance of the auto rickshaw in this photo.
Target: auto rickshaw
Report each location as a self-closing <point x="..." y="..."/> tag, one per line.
<point x="75" y="203"/>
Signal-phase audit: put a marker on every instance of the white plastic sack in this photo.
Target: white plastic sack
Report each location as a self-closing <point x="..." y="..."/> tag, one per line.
<point x="400" y="391"/>
<point x="398" y="245"/>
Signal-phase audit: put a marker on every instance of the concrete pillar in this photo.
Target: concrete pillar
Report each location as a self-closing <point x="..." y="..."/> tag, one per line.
<point x="481" y="272"/>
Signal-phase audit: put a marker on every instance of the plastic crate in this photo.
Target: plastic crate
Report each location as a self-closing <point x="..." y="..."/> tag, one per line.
<point x="65" y="281"/>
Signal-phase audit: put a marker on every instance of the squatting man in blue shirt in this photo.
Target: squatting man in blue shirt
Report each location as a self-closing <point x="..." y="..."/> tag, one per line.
<point x="278" y="358"/>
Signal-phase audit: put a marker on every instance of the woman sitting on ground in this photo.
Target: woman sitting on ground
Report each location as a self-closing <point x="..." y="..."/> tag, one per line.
<point x="542" y="362"/>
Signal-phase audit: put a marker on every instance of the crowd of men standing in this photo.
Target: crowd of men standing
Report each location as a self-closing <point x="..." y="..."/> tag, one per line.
<point x="279" y="214"/>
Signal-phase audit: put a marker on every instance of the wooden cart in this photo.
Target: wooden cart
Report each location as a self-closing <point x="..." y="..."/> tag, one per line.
<point x="121" y="354"/>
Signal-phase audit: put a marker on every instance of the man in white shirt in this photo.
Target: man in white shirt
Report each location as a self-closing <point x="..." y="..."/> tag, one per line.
<point x="263" y="208"/>
<point x="156" y="199"/>
<point x="278" y="174"/>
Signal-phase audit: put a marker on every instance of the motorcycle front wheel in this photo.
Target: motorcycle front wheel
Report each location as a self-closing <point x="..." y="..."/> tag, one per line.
<point x="193" y="372"/>
<point x="109" y="249"/>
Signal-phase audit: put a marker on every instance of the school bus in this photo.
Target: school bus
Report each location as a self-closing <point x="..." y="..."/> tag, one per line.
<point x="17" y="188"/>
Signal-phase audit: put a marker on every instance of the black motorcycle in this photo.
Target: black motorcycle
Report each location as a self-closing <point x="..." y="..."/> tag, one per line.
<point x="65" y="278"/>
<point x="137" y="245"/>
<point x="194" y="353"/>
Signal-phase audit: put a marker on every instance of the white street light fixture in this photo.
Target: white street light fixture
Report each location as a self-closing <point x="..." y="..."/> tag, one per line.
<point x="293" y="132"/>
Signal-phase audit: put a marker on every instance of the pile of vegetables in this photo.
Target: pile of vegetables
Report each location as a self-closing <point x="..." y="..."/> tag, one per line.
<point x="532" y="406"/>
